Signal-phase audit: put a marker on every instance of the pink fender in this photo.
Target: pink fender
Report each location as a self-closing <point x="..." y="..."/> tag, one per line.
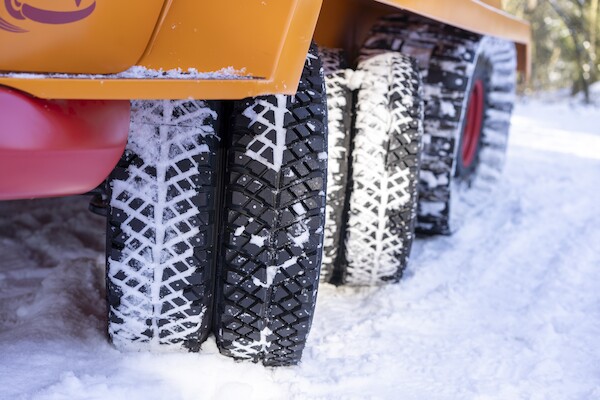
<point x="58" y="147"/>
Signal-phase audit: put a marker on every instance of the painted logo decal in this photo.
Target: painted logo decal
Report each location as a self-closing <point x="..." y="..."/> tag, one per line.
<point x="19" y="10"/>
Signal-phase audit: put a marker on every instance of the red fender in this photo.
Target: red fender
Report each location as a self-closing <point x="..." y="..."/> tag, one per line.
<point x="58" y="147"/>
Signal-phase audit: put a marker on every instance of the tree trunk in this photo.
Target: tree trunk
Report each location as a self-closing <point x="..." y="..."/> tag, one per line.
<point x="594" y="38"/>
<point x="584" y="84"/>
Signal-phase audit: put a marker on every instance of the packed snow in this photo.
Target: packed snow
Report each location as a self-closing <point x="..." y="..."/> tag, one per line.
<point x="507" y="308"/>
<point x="262" y="144"/>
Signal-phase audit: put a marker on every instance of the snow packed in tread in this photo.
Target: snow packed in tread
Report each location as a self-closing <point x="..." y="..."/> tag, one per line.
<point x="385" y="165"/>
<point x="339" y="112"/>
<point x="161" y="228"/>
<point x="273" y="223"/>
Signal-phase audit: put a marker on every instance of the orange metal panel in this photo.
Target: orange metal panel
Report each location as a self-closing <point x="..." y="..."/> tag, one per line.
<point x="268" y="39"/>
<point x="345" y="23"/>
<point x="211" y="35"/>
<point x="471" y="15"/>
<point x="84" y="36"/>
<point x="494" y="3"/>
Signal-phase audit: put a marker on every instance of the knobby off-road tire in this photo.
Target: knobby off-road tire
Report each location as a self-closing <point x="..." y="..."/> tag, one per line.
<point x="495" y="68"/>
<point x="273" y="222"/>
<point x="385" y="166"/>
<point x="161" y="228"/>
<point x="447" y="59"/>
<point x="339" y="115"/>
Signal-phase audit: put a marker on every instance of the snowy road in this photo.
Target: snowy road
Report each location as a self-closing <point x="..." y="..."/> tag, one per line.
<point x="508" y="308"/>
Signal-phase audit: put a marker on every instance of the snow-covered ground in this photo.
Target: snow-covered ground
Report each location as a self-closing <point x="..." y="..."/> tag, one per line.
<point x="507" y="308"/>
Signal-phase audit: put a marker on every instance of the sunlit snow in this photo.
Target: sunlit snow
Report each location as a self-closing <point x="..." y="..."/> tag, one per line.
<point x="507" y="308"/>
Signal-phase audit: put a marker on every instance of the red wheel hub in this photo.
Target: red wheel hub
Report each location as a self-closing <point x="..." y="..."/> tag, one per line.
<point x="473" y="124"/>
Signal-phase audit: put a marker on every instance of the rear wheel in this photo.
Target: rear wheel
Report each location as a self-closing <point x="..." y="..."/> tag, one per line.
<point x="274" y="216"/>
<point x="385" y="166"/>
<point x="339" y="115"/>
<point x="161" y="228"/>
<point x="485" y="128"/>
<point x="456" y="166"/>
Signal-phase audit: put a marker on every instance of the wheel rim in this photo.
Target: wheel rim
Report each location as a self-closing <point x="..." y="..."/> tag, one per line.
<point x="473" y="124"/>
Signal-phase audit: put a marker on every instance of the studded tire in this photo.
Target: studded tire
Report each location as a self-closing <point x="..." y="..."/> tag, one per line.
<point x="448" y="58"/>
<point x="339" y="112"/>
<point x="385" y="167"/>
<point x="274" y="215"/>
<point x="161" y="228"/>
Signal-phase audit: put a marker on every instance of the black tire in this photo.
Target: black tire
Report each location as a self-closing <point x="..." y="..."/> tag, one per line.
<point x="273" y="222"/>
<point x="161" y="228"/>
<point x="339" y="114"/>
<point x="447" y="58"/>
<point x="385" y="166"/>
<point x="495" y="68"/>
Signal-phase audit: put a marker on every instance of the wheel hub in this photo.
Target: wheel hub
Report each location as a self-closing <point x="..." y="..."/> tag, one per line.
<point x="473" y="124"/>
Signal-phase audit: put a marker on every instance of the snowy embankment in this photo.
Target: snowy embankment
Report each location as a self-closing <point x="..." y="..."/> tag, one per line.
<point x="507" y="308"/>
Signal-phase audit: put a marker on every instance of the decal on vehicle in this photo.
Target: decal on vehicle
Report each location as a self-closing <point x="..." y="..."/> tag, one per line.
<point x="22" y="11"/>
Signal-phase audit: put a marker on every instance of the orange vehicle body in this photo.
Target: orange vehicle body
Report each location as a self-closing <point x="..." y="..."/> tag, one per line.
<point x="258" y="46"/>
<point x="69" y="67"/>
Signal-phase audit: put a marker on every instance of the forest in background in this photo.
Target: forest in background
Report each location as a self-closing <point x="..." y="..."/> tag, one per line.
<point x="566" y="43"/>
